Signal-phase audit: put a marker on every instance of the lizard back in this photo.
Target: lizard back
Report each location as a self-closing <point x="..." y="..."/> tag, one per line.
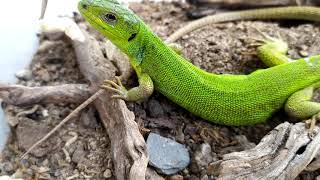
<point x="225" y="99"/>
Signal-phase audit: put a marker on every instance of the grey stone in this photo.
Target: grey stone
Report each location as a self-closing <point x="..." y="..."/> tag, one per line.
<point x="203" y="155"/>
<point x="205" y="177"/>
<point x="24" y="74"/>
<point x="107" y="173"/>
<point x="166" y="155"/>
<point x="155" y="109"/>
<point x="78" y="154"/>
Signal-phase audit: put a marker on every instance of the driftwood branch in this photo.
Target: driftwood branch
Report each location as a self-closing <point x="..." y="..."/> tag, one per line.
<point x="128" y="146"/>
<point x="282" y="154"/>
<point x="21" y="95"/>
<point x="315" y="164"/>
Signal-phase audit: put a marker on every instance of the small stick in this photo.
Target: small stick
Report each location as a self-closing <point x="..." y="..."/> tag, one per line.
<point x="71" y="115"/>
<point x="43" y="8"/>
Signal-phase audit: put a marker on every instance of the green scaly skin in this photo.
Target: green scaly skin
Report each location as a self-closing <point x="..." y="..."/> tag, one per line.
<point x="223" y="99"/>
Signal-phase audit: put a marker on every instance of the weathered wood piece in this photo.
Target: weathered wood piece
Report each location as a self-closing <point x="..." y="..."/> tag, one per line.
<point x="129" y="150"/>
<point x="19" y="95"/>
<point x="282" y="154"/>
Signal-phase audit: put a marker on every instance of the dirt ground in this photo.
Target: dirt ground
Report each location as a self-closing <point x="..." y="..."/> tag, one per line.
<point x="221" y="48"/>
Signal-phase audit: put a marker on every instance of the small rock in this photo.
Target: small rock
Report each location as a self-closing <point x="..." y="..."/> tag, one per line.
<point x="190" y="129"/>
<point x="88" y="118"/>
<point x="166" y="155"/>
<point x="156" y="15"/>
<point x="180" y="135"/>
<point x="25" y="163"/>
<point x="304" y="53"/>
<point x="57" y="173"/>
<point x="303" y="47"/>
<point x="155" y="109"/>
<point x="45" y="113"/>
<point x="6" y="167"/>
<point x="52" y="67"/>
<point x="193" y="167"/>
<point x="24" y="74"/>
<point x="44" y="75"/>
<point x="176" y="177"/>
<point x="205" y="177"/>
<point x="153" y="175"/>
<point x="213" y="168"/>
<point x="78" y="154"/>
<point x="193" y="177"/>
<point x="203" y="156"/>
<point x="185" y="172"/>
<point x="107" y="173"/>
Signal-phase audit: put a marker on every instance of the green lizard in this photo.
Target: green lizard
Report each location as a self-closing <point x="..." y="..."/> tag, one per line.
<point x="223" y="99"/>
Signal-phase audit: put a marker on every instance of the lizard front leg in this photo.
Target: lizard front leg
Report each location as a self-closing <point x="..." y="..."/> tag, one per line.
<point x="139" y="93"/>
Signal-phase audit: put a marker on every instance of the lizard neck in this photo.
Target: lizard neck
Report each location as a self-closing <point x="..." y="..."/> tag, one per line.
<point x="145" y="46"/>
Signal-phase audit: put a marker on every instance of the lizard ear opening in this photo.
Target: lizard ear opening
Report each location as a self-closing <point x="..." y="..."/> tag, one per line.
<point x="132" y="37"/>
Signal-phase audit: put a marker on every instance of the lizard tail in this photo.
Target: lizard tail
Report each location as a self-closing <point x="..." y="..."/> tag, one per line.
<point x="291" y="12"/>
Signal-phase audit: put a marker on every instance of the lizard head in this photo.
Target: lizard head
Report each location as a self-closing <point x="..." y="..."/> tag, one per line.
<point x="115" y="21"/>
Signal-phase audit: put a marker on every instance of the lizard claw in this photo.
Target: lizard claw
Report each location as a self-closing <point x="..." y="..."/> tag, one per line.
<point x="118" y="88"/>
<point x="311" y="123"/>
<point x="277" y="43"/>
<point x="269" y="39"/>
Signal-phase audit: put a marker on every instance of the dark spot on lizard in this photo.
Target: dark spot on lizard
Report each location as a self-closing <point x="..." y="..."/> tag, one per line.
<point x="132" y="37"/>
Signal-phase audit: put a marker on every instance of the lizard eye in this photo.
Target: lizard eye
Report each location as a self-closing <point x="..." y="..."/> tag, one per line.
<point x="109" y="18"/>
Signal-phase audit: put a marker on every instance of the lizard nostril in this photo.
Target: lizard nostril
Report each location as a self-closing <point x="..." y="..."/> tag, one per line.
<point x="84" y="6"/>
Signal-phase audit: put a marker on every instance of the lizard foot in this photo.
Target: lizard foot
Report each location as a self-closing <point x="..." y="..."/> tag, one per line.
<point x="176" y="48"/>
<point x="118" y="88"/>
<point x="275" y="43"/>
